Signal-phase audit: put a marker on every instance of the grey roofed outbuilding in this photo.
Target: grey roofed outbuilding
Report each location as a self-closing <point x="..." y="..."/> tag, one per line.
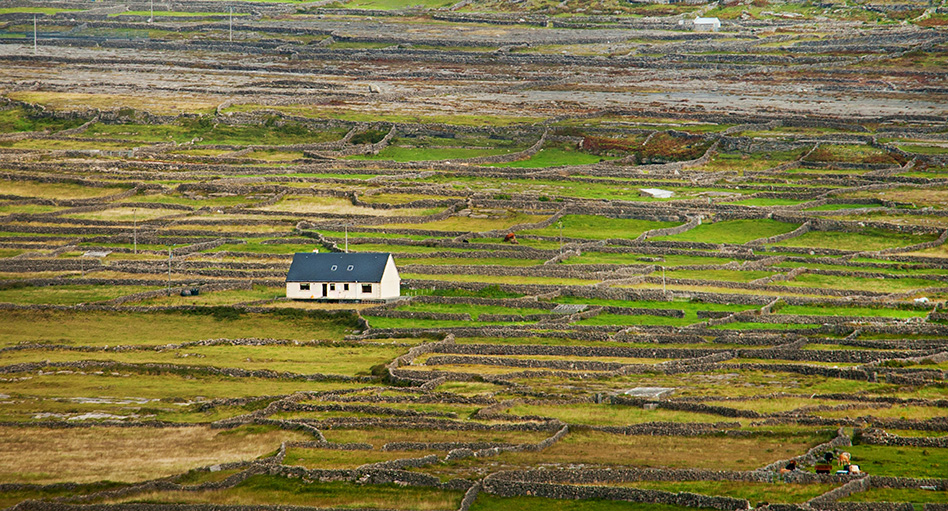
<point x="337" y="267"/>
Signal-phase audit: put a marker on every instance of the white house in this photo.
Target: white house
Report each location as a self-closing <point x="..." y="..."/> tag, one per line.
<point x="343" y="276"/>
<point x="707" y="24"/>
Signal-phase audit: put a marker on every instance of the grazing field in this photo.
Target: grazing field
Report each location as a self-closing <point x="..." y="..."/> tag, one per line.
<point x="640" y="266"/>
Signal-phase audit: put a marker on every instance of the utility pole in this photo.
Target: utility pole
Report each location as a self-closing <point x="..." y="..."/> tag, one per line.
<point x="560" y="224"/>
<point x="169" y="270"/>
<point x="135" y="231"/>
<point x="34" y="34"/>
<point x="347" y="238"/>
<point x="663" y="281"/>
<point x="232" y="23"/>
<point x="152" y="17"/>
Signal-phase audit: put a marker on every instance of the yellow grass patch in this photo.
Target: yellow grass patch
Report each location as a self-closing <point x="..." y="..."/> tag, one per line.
<point x="157" y="104"/>
<point x="41" y="455"/>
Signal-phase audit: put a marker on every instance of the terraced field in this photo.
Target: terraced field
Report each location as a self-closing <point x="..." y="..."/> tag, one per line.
<point x="729" y="255"/>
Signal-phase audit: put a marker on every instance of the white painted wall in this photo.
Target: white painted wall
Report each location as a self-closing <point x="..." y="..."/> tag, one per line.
<point x="391" y="282"/>
<point x="388" y="289"/>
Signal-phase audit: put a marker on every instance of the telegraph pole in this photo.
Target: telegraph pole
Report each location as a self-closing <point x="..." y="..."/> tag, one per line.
<point x="232" y="23"/>
<point x="34" y="34"/>
<point x="663" y="281"/>
<point x="135" y="231"/>
<point x="560" y="223"/>
<point x="169" y="270"/>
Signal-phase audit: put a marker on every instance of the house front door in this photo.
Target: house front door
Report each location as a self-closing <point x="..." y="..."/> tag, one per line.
<point x="325" y="289"/>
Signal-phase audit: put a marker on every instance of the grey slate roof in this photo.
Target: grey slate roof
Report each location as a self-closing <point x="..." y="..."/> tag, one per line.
<point x="351" y="267"/>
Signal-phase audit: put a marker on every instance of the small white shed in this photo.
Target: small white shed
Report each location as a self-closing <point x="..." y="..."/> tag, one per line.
<point x="357" y="276"/>
<point x="707" y="24"/>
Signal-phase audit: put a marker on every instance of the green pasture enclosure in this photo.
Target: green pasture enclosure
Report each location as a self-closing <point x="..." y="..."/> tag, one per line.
<point x="126" y="214"/>
<point x="473" y="309"/>
<point x="732" y="231"/>
<point x="495" y="279"/>
<point x="100" y="328"/>
<point x="163" y="388"/>
<point x="668" y="260"/>
<point x="851" y="153"/>
<point x="598" y="227"/>
<point x="766" y="202"/>
<point x="745" y="325"/>
<point x="340" y="459"/>
<point x="41" y="492"/>
<point x="837" y="207"/>
<point x="194" y="201"/>
<point x="492" y="243"/>
<point x="609" y="415"/>
<point x="68" y="294"/>
<point x="19" y="119"/>
<point x="257" y="247"/>
<point x="378" y="437"/>
<point x="605" y="319"/>
<point x="597" y="449"/>
<point x="399" y="153"/>
<point x="35" y="10"/>
<point x="730" y="382"/>
<point x="177" y="13"/>
<point x="744" y="162"/>
<point x="401" y="249"/>
<point x="786" y="403"/>
<point x="474" y="261"/>
<point x="898" y="411"/>
<point x="916" y="496"/>
<point x="401" y="198"/>
<point x="504" y="220"/>
<point x="689" y="307"/>
<point x="269" y="489"/>
<point x="867" y="239"/>
<point x="898" y="461"/>
<point x="272" y="132"/>
<point x="56" y="190"/>
<point x="725" y="275"/>
<point x="306" y="359"/>
<point x="28" y="209"/>
<point x="789" y="493"/>
<point x="553" y="157"/>
<point x="871" y="284"/>
<point x="829" y="310"/>
<point x="488" y="502"/>
<point x="84" y="404"/>
<point x="382" y="322"/>
<point x="879" y="266"/>
<point x="219" y="298"/>
<point x="397" y="4"/>
<point x="462" y="411"/>
<point x="555" y="190"/>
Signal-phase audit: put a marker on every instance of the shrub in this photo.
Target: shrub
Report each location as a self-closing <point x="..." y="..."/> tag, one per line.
<point x="368" y="137"/>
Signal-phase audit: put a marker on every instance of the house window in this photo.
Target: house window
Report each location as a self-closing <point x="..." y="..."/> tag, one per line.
<point x="334" y="267"/>
<point x="366" y="288"/>
<point x="304" y="287"/>
<point x="349" y="268"/>
<point x="332" y="287"/>
<point x="345" y="287"/>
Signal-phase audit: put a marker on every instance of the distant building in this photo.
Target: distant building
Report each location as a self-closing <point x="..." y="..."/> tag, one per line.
<point x="707" y="24"/>
<point x="358" y="276"/>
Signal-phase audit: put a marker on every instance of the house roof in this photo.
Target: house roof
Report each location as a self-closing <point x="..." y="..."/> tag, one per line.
<point x="337" y="267"/>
